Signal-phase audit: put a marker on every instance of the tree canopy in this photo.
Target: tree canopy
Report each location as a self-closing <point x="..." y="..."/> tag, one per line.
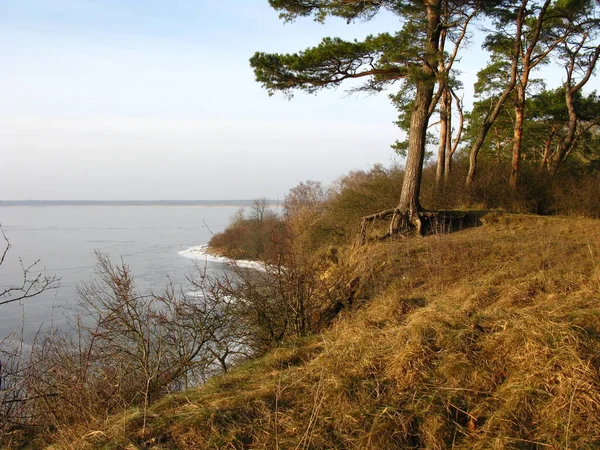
<point x="414" y="65"/>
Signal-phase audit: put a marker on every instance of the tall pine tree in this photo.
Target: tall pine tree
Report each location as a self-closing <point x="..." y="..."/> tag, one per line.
<point x="412" y="55"/>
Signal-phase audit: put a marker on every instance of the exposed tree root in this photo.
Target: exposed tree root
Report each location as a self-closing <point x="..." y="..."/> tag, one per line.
<point x="403" y="223"/>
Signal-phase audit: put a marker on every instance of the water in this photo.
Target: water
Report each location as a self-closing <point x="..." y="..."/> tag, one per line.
<point x="155" y="241"/>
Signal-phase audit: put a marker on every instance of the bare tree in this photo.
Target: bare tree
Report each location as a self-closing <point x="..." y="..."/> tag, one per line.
<point x="259" y="209"/>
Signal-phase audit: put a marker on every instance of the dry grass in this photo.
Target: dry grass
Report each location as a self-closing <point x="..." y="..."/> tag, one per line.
<point x="487" y="338"/>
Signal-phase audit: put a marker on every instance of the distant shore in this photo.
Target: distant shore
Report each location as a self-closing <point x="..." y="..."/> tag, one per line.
<point x="210" y="203"/>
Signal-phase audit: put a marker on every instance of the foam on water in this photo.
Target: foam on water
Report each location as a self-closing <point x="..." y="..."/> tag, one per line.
<point x="200" y="253"/>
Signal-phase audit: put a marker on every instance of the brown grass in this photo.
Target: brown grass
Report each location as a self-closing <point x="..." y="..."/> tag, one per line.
<point x="484" y="339"/>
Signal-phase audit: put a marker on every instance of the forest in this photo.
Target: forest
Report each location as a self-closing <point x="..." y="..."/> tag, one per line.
<point x="517" y="126"/>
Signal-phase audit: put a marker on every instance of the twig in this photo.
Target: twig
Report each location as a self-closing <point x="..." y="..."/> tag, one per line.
<point x="27" y="399"/>
<point x="207" y="227"/>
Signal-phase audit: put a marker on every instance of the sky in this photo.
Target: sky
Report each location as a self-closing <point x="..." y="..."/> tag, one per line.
<point x="123" y="99"/>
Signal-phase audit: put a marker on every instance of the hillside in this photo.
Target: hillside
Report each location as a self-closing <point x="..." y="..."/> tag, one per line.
<point x="484" y="338"/>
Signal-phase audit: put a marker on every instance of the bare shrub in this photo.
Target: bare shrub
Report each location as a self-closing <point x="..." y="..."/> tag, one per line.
<point x="250" y="237"/>
<point x="127" y="351"/>
<point x="297" y="296"/>
<point x="577" y="195"/>
<point x="309" y="195"/>
<point x="15" y="414"/>
<point x="305" y="216"/>
<point x="359" y="194"/>
<point x="302" y="286"/>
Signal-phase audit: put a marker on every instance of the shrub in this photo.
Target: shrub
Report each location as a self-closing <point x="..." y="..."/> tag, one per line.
<point x="127" y="351"/>
<point x="358" y="194"/>
<point x="251" y="238"/>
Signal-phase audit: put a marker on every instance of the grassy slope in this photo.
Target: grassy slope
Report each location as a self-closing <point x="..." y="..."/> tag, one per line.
<point x="486" y="338"/>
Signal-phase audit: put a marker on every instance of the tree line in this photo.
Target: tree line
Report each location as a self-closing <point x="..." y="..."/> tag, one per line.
<point x="514" y="114"/>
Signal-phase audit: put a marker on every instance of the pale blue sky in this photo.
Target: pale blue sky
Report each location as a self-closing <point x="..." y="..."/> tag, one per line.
<point x="107" y="99"/>
<point x="180" y="59"/>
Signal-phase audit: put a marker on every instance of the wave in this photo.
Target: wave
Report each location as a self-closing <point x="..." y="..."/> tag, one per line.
<point x="200" y="253"/>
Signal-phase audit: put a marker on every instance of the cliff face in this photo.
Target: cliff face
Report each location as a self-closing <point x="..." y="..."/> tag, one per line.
<point x="484" y="338"/>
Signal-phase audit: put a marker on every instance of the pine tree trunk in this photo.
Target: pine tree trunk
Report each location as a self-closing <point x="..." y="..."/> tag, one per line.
<point x="443" y="144"/>
<point x="491" y="117"/>
<point x="409" y="199"/>
<point x="409" y="205"/>
<point x="547" y="150"/>
<point x="453" y="144"/>
<point x="567" y="142"/>
<point x="518" y="138"/>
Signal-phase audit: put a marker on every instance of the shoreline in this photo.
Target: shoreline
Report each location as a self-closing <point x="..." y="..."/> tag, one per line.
<point x="204" y="253"/>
